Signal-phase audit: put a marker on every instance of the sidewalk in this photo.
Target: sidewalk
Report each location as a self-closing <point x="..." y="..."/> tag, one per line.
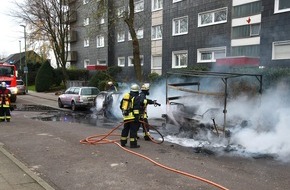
<point x="48" y="96"/>
<point x="14" y="175"/>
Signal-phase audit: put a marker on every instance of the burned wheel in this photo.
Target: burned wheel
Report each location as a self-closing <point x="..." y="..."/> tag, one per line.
<point x="60" y="105"/>
<point x="73" y="106"/>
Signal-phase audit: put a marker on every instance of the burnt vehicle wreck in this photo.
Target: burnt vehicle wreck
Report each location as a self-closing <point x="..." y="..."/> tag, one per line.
<point x="198" y="101"/>
<point x="107" y="104"/>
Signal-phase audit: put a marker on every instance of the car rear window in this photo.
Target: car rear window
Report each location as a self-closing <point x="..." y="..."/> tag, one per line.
<point x="19" y="82"/>
<point x="89" y="91"/>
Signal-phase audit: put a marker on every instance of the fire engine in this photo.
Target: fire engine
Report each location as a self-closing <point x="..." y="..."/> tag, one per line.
<point x="8" y="74"/>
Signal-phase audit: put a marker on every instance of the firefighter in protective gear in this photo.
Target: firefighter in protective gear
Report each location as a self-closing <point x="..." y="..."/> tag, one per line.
<point x="130" y="106"/>
<point x="111" y="87"/>
<point x="5" y="95"/>
<point x="143" y="110"/>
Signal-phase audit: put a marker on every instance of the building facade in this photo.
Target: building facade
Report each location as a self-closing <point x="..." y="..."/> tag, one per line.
<point x="179" y="33"/>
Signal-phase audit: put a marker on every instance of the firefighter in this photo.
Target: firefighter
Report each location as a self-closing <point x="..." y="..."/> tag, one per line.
<point x="130" y="106"/>
<point x="111" y="87"/>
<point x="5" y="95"/>
<point x="143" y="110"/>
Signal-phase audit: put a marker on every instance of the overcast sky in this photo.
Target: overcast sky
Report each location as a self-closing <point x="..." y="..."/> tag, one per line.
<point x="10" y="31"/>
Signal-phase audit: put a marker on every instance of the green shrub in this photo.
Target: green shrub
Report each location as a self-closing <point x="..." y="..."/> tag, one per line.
<point x="99" y="79"/>
<point x="44" y="78"/>
<point x="78" y="74"/>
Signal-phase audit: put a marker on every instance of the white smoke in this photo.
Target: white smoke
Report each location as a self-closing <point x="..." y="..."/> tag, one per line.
<point x="260" y="125"/>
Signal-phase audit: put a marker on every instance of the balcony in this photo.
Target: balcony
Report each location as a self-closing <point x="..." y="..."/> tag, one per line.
<point x="67" y="2"/>
<point x="72" y="56"/>
<point x="70" y="17"/>
<point x="72" y="36"/>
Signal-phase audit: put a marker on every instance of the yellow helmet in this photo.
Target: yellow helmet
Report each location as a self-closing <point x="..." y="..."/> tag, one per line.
<point x="145" y="86"/>
<point x="135" y="88"/>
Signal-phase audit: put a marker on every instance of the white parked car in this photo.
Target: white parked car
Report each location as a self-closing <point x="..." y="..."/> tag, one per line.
<point x="76" y="97"/>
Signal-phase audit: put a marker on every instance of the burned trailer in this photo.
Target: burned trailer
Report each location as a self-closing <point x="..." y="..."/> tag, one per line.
<point x="198" y="97"/>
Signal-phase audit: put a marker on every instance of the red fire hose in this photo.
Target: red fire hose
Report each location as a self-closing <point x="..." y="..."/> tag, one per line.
<point x="102" y="139"/>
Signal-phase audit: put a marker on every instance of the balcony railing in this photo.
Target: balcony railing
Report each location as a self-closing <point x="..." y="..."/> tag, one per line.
<point x="72" y="56"/>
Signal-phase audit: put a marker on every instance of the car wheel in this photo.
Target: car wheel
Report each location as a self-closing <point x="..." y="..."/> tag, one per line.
<point x="60" y="105"/>
<point x="73" y="106"/>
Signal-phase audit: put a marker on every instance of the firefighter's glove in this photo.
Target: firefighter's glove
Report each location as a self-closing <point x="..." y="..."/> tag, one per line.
<point x="11" y="108"/>
<point x="156" y="104"/>
<point x="125" y="112"/>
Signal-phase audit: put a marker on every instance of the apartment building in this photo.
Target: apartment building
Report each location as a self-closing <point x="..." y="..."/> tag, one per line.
<point x="180" y="33"/>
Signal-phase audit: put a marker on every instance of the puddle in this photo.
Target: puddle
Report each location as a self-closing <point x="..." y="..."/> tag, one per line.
<point x="27" y="107"/>
<point x="53" y="114"/>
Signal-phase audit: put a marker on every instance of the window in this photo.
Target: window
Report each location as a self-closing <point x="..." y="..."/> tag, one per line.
<point x="100" y="41"/>
<point x="85" y="2"/>
<point x="179" y="59"/>
<point x="86" y="21"/>
<point x="213" y="17"/>
<point x="121" y="36"/>
<point x="246" y="31"/>
<point x="210" y="54"/>
<point x="139" y="5"/>
<point x="281" y="50"/>
<point x="248" y="9"/>
<point x="175" y="1"/>
<point x="139" y="34"/>
<point x="130" y="60"/>
<point x="180" y="26"/>
<point x="156" y="32"/>
<point x="255" y="29"/>
<point x="156" y="62"/>
<point x="121" y="61"/>
<point x="86" y="63"/>
<point x="102" y="20"/>
<point x="282" y="6"/>
<point x="120" y="11"/>
<point x="157" y="5"/>
<point x="86" y="42"/>
<point x="251" y="50"/>
<point x="102" y="62"/>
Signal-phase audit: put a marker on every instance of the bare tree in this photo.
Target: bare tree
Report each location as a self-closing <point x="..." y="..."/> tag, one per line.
<point x="128" y="17"/>
<point x="48" y="20"/>
<point x="130" y="20"/>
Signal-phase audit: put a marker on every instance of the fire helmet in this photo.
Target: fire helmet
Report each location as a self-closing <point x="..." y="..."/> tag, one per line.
<point x="110" y="83"/>
<point x="135" y="88"/>
<point x="3" y="84"/>
<point x="145" y="86"/>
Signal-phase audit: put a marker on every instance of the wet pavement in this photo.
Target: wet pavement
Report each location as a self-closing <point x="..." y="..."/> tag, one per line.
<point x="61" y="159"/>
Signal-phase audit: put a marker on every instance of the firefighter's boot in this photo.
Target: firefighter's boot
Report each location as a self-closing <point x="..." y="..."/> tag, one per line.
<point x="123" y="141"/>
<point x="133" y="144"/>
<point x="147" y="136"/>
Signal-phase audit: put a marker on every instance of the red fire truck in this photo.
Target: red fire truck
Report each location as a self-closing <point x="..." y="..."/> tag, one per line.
<point x="8" y="74"/>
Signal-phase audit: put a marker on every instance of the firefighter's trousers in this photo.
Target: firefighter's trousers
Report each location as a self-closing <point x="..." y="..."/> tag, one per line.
<point x="131" y="127"/>
<point x="5" y="113"/>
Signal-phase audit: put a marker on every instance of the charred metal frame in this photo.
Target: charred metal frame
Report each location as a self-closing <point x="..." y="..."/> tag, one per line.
<point x="207" y="74"/>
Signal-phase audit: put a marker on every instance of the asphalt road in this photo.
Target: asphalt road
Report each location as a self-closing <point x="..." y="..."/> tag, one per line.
<point x="52" y="149"/>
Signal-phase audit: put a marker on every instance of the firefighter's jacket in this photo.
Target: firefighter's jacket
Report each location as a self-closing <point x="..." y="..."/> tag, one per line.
<point x="130" y="106"/>
<point x="5" y="95"/>
<point x="143" y="105"/>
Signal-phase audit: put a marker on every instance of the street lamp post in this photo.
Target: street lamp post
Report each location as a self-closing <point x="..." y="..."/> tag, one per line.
<point x="20" y="55"/>
<point x="25" y="59"/>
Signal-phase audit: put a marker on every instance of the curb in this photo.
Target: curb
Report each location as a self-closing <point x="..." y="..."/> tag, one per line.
<point x="40" y="181"/>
